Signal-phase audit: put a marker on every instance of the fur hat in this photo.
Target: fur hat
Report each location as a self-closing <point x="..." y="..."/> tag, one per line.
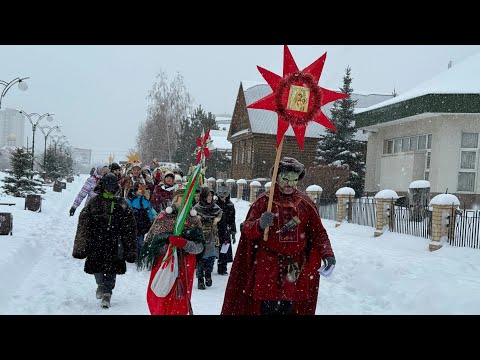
<point x="289" y="164"/>
<point x="168" y="173"/>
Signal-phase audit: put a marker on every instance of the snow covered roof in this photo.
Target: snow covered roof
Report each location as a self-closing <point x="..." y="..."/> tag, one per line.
<point x="463" y="78"/>
<point x="265" y="122"/>
<point x="219" y="138"/>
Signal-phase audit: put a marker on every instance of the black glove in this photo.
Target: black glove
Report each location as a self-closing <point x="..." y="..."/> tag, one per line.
<point x="329" y="261"/>
<point x="72" y="211"/>
<point x="233" y="233"/>
<point x="266" y="220"/>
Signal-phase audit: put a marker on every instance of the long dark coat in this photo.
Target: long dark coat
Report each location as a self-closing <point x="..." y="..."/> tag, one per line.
<point x="106" y="241"/>
<point x="259" y="269"/>
<point x="226" y="226"/>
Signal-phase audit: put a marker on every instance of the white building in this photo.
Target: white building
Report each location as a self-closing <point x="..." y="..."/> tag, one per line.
<point x="12" y="128"/>
<point x="82" y="160"/>
<point x="430" y="132"/>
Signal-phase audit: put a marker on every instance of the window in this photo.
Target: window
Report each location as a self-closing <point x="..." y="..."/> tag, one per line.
<point x="397" y="145"/>
<point x="468" y="162"/>
<point x="427" y="165"/>
<point x="411" y="143"/>
<point x="422" y="142"/>
<point x="249" y="152"/>
<point x="242" y="156"/>
<point x="469" y="140"/>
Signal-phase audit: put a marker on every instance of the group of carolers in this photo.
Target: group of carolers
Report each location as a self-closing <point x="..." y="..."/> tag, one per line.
<point x="133" y="220"/>
<point x="283" y="247"/>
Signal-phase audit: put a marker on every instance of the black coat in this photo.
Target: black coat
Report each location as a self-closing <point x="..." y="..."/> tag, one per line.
<point x="104" y="237"/>
<point x="226" y="226"/>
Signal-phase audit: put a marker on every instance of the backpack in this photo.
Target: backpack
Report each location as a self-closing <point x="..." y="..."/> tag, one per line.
<point x="142" y="219"/>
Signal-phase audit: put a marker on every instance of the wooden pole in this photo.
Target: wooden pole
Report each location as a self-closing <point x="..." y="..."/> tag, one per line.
<point x="272" y="187"/>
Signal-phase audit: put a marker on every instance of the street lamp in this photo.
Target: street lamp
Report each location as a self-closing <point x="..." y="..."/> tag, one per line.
<point x="56" y="139"/>
<point x="46" y="134"/>
<point x="22" y="85"/>
<point x="34" y="127"/>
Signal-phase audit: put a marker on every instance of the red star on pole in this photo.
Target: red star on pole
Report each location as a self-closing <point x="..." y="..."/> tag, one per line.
<point x="296" y="97"/>
<point x="203" y="146"/>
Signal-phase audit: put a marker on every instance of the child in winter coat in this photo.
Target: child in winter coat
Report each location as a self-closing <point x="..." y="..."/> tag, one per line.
<point x="210" y="214"/>
<point x="142" y="210"/>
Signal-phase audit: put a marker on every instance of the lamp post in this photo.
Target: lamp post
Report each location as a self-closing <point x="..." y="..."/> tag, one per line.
<point x="22" y="85"/>
<point x="34" y="127"/>
<point x="46" y="134"/>
<point x="56" y="139"/>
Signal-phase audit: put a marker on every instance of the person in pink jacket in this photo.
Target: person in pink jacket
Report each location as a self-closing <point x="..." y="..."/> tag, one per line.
<point x="87" y="189"/>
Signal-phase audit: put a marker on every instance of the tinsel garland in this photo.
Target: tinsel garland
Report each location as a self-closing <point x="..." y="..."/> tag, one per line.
<point x="152" y="249"/>
<point x="284" y="86"/>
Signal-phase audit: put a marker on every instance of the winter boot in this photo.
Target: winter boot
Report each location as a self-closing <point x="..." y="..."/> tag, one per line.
<point x="222" y="269"/>
<point x="208" y="279"/>
<point x="99" y="292"/>
<point x="201" y="283"/>
<point x="106" y="300"/>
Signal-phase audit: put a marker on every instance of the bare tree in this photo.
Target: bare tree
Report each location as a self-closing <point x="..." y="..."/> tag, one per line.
<point x="169" y="103"/>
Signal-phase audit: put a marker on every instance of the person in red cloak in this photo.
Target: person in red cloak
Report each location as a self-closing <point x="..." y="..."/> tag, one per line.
<point x="279" y="276"/>
<point x="189" y="244"/>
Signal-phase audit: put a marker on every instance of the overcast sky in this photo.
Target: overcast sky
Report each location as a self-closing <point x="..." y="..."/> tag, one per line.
<point x="98" y="92"/>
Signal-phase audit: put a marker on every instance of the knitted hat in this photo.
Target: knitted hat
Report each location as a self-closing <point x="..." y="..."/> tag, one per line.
<point x="114" y="166"/>
<point x="110" y="183"/>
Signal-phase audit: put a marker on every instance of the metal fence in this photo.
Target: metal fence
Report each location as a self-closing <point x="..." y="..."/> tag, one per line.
<point x="327" y="209"/>
<point x="412" y="220"/>
<point x="415" y="220"/>
<point x="466" y="230"/>
<point x="361" y="211"/>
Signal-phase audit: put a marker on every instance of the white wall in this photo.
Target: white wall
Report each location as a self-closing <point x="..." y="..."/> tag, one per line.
<point x="397" y="171"/>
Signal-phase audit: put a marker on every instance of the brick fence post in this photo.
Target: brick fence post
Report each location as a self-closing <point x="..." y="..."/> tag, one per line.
<point x="443" y="206"/>
<point x="314" y="192"/>
<point x="240" y="185"/>
<point x="385" y="206"/>
<point x="230" y="183"/>
<point x="211" y="184"/>
<point x="342" y="199"/>
<point x="254" y="187"/>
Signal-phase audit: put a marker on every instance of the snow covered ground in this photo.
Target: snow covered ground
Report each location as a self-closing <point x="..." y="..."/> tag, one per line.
<point x="391" y="274"/>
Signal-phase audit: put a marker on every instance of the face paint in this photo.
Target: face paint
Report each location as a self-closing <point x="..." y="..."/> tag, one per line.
<point x="289" y="178"/>
<point x="287" y="182"/>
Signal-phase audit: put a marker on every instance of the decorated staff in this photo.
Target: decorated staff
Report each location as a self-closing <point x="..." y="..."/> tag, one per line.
<point x="204" y="145"/>
<point x="277" y="273"/>
<point x="297" y="99"/>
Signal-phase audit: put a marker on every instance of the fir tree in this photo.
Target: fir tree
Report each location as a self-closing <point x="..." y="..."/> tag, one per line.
<point x="191" y="128"/>
<point x="58" y="164"/>
<point x="19" y="183"/>
<point x="339" y="148"/>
